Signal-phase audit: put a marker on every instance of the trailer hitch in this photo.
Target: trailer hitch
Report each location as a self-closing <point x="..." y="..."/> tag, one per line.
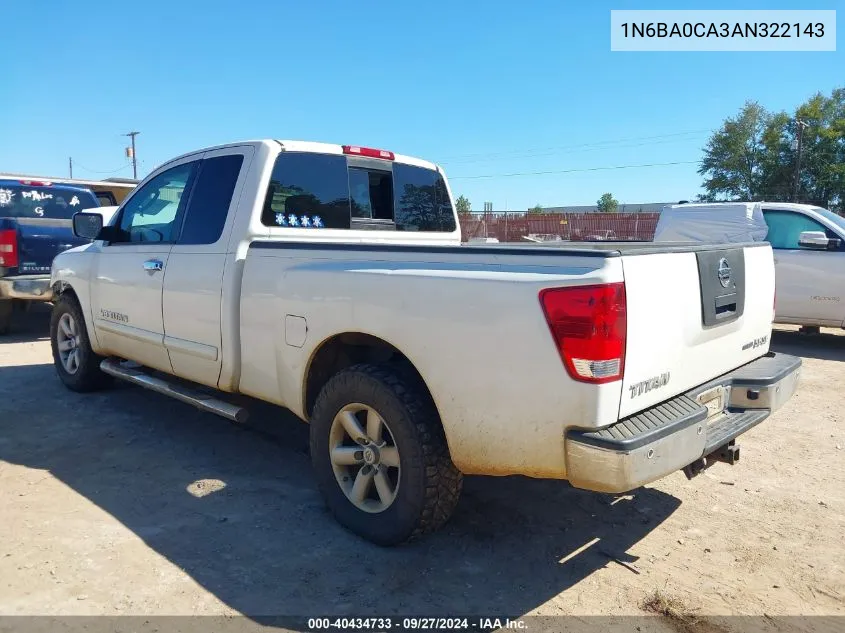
<point x="727" y="453"/>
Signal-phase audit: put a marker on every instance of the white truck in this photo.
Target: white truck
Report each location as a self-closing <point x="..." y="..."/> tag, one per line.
<point x="331" y="280"/>
<point x="808" y="243"/>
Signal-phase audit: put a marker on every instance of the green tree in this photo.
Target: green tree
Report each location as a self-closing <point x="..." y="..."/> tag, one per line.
<point x="733" y="157"/>
<point x="607" y="203"/>
<point x="537" y="208"/>
<point x="463" y="205"/>
<point x="823" y="149"/>
<point x="753" y="156"/>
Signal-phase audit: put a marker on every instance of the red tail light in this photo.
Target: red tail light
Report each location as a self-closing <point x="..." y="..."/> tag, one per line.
<point x="8" y="249"/>
<point x="36" y="183"/>
<point x="589" y="325"/>
<point x="369" y="152"/>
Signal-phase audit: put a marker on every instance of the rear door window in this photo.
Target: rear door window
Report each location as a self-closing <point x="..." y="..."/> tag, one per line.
<point x="308" y="190"/>
<point x="51" y="202"/>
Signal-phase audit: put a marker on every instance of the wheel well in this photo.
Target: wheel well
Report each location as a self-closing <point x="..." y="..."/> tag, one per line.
<point x="344" y="350"/>
<point x="60" y="288"/>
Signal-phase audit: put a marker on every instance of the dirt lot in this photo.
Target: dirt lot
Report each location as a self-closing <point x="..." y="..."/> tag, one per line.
<point x="126" y="502"/>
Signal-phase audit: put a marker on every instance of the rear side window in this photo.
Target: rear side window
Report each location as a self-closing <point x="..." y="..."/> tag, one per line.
<point x="56" y="203"/>
<point x="422" y="202"/>
<point x="308" y="190"/>
<point x="323" y="191"/>
<point x="211" y="196"/>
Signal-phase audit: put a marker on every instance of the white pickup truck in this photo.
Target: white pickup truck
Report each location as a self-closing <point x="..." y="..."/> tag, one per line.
<point x="331" y="280"/>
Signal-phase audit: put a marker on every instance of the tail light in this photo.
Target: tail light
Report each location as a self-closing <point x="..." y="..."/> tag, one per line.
<point x="36" y="183"/>
<point x="369" y="152"/>
<point x="8" y="249"/>
<point x="589" y="325"/>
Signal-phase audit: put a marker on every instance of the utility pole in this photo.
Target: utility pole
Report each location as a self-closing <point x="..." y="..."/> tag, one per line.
<point x="70" y="166"/>
<point x="131" y="154"/>
<point x="801" y="125"/>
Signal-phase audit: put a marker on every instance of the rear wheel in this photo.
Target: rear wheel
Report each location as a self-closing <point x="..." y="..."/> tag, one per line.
<point x="380" y="455"/>
<point x="77" y="366"/>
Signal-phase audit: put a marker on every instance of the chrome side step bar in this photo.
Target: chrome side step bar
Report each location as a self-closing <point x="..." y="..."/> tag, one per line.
<point x="133" y="373"/>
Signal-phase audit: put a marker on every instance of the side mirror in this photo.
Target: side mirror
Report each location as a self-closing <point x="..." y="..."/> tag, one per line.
<point x="814" y="239"/>
<point x="87" y="225"/>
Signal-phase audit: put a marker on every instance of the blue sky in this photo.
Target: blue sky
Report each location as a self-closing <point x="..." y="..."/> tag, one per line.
<point x="485" y="88"/>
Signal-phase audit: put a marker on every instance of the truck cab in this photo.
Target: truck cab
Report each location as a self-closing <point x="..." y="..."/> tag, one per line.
<point x="809" y="250"/>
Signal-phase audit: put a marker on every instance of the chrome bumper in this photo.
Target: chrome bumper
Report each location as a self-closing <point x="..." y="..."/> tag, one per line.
<point x="678" y="433"/>
<point x="27" y="287"/>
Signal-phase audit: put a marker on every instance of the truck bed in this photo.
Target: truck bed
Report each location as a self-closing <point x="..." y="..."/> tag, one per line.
<point x="454" y="309"/>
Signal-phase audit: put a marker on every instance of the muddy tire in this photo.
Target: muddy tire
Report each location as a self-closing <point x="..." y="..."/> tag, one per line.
<point x="380" y="456"/>
<point x="7" y="307"/>
<point x="77" y="366"/>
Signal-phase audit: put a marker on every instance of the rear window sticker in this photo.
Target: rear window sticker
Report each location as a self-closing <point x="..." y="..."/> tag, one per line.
<point x="36" y="195"/>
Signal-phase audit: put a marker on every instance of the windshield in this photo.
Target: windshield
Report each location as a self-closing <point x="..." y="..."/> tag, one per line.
<point x="837" y="219"/>
<point x="53" y="202"/>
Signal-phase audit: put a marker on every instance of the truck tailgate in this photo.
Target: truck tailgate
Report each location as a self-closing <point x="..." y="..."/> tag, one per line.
<point x="693" y="314"/>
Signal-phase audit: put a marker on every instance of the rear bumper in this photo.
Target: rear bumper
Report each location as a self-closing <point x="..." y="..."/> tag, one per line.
<point x="680" y="432"/>
<point x="27" y="287"/>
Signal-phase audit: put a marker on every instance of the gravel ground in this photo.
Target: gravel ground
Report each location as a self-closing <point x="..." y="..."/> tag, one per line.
<point x="125" y="502"/>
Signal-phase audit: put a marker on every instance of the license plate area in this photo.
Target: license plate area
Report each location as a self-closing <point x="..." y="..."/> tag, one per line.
<point x="715" y="400"/>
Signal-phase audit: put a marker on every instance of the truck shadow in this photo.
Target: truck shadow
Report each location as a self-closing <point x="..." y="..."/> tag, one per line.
<point x="31" y="325"/>
<point x="823" y="346"/>
<point x="261" y="541"/>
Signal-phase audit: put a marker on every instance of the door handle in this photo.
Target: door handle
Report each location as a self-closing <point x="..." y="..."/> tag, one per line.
<point x="153" y="265"/>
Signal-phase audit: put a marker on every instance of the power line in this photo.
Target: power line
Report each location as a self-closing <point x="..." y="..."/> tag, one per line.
<point x="591" y="144"/>
<point x="531" y="155"/>
<point x="569" y="171"/>
<point x="96" y="171"/>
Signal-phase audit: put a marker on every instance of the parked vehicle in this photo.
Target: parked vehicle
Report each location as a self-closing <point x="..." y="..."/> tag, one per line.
<point x="109" y="191"/>
<point x="331" y="280"/>
<point x="809" y="251"/>
<point x="35" y="225"/>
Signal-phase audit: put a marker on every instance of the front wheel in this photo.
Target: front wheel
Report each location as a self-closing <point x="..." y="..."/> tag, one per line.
<point x="380" y="456"/>
<point x="77" y="366"/>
